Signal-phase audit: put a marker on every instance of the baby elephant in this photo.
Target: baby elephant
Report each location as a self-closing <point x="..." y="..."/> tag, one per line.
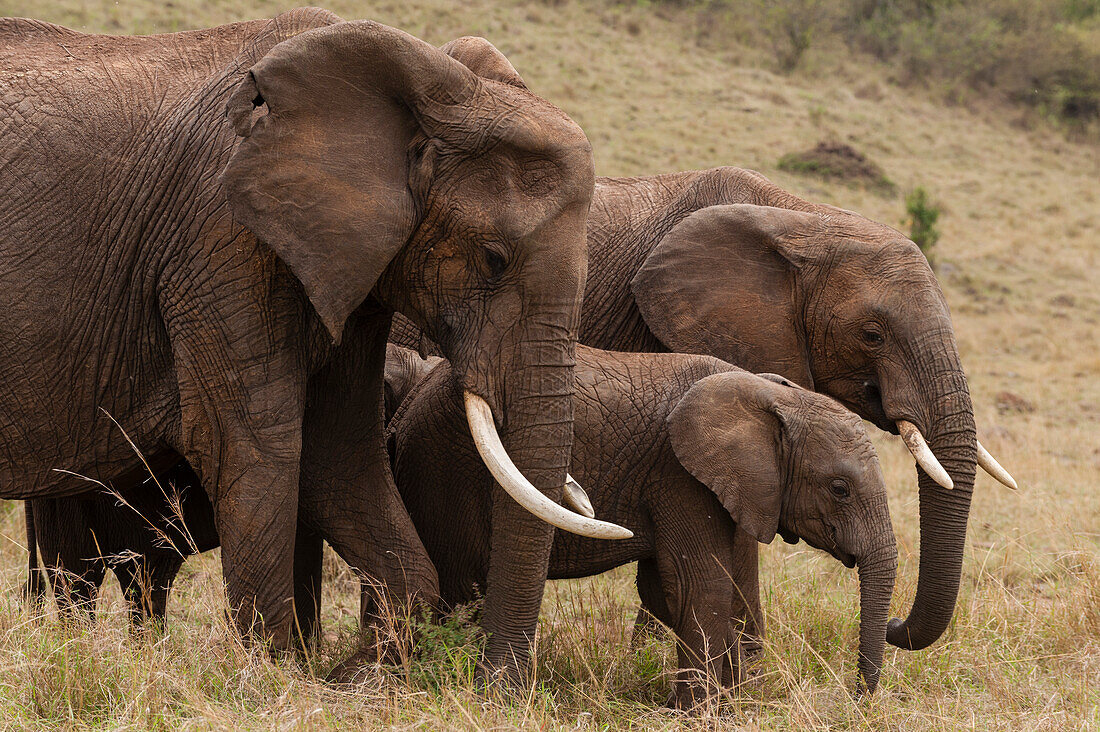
<point x="142" y="535"/>
<point x="682" y="450"/>
<point x="145" y="541"/>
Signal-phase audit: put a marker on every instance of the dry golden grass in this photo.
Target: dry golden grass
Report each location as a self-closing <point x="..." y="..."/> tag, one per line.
<point x="661" y="90"/>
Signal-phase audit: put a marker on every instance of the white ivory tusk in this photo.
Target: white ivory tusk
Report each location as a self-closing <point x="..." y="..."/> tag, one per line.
<point x="914" y="440"/>
<point x="577" y="499"/>
<point x="484" y="431"/>
<point x="991" y="466"/>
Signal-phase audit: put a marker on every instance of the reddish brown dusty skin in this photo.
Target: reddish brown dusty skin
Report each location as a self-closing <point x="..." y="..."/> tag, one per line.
<point x="218" y="225"/>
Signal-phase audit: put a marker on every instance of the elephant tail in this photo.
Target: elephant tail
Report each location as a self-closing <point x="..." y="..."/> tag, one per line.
<point x="35" y="589"/>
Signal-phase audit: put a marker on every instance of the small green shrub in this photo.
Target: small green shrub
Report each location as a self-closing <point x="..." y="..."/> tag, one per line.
<point x="923" y="215"/>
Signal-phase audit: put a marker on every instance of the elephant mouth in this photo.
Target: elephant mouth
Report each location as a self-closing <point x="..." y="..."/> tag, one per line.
<point x="848" y="560"/>
<point x="873" y="410"/>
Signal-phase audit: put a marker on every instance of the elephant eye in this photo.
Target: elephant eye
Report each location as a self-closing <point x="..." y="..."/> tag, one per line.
<point x="495" y="264"/>
<point x="873" y="336"/>
<point x="840" y="489"/>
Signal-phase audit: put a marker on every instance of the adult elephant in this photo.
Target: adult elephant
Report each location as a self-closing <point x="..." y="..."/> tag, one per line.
<point x="725" y="263"/>
<point x="224" y="290"/>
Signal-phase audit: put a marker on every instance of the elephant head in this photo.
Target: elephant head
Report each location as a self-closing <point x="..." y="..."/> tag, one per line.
<point x="404" y="370"/>
<point x="850" y="308"/>
<point x="783" y="459"/>
<point x="385" y="169"/>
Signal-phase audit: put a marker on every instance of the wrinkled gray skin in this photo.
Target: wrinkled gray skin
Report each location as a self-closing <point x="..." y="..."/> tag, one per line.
<point x="203" y="235"/>
<point x="722" y="262"/>
<point x="685" y="451"/>
<point x="143" y="535"/>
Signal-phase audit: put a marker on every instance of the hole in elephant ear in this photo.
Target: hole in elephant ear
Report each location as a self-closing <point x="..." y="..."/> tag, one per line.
<point x="323" y="177"/>
<point x="722" y="283"/>
<point x="727" y="431"/>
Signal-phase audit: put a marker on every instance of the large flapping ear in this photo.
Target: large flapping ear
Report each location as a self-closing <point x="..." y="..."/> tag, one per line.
<point x="727" y="431"/>
<point x="484" y="59"/>
<point x="722" y="283"/>
<point x="322" y="178"/>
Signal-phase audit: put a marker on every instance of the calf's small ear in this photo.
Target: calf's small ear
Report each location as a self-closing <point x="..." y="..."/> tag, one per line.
<point x="727" y="431"/>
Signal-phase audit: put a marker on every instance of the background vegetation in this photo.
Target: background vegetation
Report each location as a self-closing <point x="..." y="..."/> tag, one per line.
<point x="662" y="87"/>
<point x="1041" y="54"/>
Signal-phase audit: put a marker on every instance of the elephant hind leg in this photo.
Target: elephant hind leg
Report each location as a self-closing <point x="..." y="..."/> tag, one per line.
<point x="146" y="583"/>
<point x="70" y="554"/>
<point x="76" y="591"/>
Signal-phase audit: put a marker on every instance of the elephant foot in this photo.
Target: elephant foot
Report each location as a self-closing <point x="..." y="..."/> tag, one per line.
<point x="695" y="693"/>
<point x="355" y="668"/>
<point x="690" y="698"/>
<point x="33" y="592"/>
<point x="502" y="680"/>
<point x="646" y="628"/>
<point x="378" y="649"/>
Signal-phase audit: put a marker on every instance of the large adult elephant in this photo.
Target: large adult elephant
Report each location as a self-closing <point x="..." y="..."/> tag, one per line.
<point x="223" y="290"/>
<point x="723" y="262"/>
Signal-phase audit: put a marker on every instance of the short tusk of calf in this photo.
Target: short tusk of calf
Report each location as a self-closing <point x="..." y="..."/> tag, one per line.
<point x="577" y="499"/>
<point x="483" y="430"/>
<point x="914" y="440"/>
<point x="991" y="466"/>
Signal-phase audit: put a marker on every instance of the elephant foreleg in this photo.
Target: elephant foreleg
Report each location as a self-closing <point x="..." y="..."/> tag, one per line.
<point x="347" y="491"/>
<point x="242" y="396"/>
<point x="746" y="612"/>
<point x="652" y="609"/>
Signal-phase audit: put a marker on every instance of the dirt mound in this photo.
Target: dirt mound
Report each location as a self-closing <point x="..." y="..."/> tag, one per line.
<point x="838" y="161"/>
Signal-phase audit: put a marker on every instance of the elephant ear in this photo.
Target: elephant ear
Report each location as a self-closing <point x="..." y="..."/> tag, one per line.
<point x="722" y="283"/>
<point x="323" y="177"/>
<point x="484" y="59"/>
<point x="728" y="431"/>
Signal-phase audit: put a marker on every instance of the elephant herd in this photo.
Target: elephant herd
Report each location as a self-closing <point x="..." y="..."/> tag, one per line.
<point x="338" y="285"/>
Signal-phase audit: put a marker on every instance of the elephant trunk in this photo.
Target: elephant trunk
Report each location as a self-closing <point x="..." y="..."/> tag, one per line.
<point x="538" y="435"/>
<point x="877" y="572"/>
<point x="943" y="516"/>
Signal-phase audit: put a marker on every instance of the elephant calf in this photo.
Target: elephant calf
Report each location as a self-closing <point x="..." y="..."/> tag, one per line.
<point x="682" y="450"/>
<point x="146" y="541"/>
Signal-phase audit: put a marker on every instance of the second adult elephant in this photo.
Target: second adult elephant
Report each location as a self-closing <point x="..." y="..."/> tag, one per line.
<point x="221" y="285"/>
<point x="723" y="262"/>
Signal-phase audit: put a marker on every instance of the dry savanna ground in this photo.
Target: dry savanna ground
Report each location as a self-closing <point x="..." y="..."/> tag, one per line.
<point x="661" y="90"/>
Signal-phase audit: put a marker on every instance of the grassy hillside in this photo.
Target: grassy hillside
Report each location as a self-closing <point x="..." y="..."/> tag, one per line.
<point x="658" y="89"/>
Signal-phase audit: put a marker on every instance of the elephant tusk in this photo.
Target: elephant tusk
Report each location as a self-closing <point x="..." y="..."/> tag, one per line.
<point x="991" y="466"/>
<point x="914" y="440"/>
<point x="577" y="499"/>
<point x="484" y="431"/>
